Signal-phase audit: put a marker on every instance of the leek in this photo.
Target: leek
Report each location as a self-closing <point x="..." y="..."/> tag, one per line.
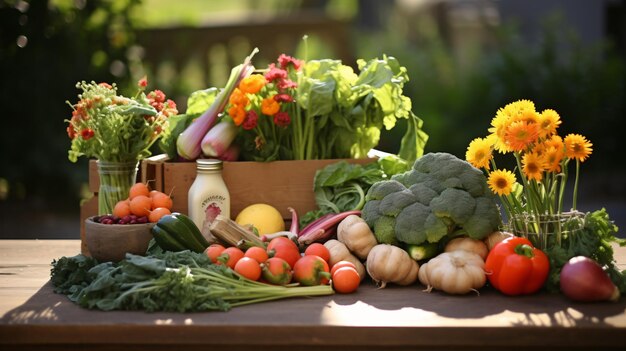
<point x="189" y="141"/>
<point x="218" y="139"/>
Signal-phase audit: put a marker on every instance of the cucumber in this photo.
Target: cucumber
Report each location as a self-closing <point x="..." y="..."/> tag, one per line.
<point x="178" y="229"/>
<point x="423" y="251"/>
<point x="193" y="229"/>
<point x="165" y="241"/>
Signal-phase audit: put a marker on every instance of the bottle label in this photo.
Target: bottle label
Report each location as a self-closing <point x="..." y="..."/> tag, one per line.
<point x="212" y="207"/>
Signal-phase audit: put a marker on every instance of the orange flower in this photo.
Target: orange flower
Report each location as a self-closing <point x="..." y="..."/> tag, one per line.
<point x="252" y="84"/>
<point x="520" y="135"/>
<point x="238" y="98"/>
<point x="237" y="113"/>
<point x="577" y="147"/>
<point x="549" y="121"/>
<point x="556" y="142"/>
<point x="532" y="166"/>
<point x="552" y="158"/>
<point x="269" y="106"/>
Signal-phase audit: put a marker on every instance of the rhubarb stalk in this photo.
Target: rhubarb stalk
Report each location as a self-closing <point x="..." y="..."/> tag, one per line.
<point x="324" y="229"/>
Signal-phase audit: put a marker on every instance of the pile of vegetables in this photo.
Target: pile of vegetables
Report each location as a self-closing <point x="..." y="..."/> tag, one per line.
<point x="440" y="197"/>
<point x="168" y="281"/>
<point x="317" y="109"/>
<point x="590" y="236"/>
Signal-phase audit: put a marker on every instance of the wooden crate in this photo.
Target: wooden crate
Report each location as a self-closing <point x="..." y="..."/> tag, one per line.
<point x="281" y="184"/>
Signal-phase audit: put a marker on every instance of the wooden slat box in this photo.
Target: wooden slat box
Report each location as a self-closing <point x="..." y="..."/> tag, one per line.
<point x="281" y="184"/>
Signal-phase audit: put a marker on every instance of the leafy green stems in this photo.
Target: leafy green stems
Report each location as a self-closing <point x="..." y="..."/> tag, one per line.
<point x="166" y="281"/>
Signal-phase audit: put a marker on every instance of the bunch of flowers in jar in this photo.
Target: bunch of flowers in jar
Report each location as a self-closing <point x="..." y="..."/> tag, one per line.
<point x="118" y="132"/>
<point x="534" y="205"/>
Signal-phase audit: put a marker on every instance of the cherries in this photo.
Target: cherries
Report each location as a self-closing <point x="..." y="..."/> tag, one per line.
<point x="129" y="219"/>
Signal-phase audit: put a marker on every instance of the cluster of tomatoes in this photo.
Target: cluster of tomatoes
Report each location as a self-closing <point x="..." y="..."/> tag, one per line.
<point x="281" y="263"/>
<point x="142" y="202"/>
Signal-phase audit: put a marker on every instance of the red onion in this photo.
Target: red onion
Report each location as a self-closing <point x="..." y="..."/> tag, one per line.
<point x="582" y="279"/>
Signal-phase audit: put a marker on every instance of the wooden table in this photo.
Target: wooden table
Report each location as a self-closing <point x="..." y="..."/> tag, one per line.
<point x="395" y="318"/>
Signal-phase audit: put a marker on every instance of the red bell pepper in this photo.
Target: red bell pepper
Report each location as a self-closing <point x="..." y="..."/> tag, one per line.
<point x="515" y="267"/>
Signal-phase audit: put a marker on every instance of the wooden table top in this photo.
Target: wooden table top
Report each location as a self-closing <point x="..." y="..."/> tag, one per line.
<point x="395" y="318"/>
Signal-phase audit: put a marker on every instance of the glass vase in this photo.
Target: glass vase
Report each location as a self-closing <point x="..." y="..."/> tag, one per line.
<point x="546" y="231"/>
<point x="116" y="178"/>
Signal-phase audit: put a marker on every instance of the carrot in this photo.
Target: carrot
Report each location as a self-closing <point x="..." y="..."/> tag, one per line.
<point x="138" y="189"/>
<point x="140" y="205"/>
<point x="161" y="200"/>
<point x="122" y="208"/>
<point x="157" y="213"/>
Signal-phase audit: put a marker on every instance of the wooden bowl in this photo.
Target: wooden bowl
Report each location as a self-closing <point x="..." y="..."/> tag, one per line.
<point x="111" y="242"/>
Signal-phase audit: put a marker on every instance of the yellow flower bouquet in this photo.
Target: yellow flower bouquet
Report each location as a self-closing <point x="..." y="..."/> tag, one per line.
<point x="534" y="206"/>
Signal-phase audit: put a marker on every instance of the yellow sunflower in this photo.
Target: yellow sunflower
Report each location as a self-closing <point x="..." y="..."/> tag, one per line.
<point x="520" y="135"/>
<point x="528" y="116"/>
<point x="479" y="153"/>
<point x="552" y="158"/>
<point x="518" y="107"/>
<point x="549" y="121"/>
<point x="577" y="147"/>
<point x="501" y="181"/>
<point x="498" y="128"/>
<point x="532" y="166"/>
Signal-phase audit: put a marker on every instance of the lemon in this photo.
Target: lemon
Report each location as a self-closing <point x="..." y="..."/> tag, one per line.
<point x="265" y="218"/>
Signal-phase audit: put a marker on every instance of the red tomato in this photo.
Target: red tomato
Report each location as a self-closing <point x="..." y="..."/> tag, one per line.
<point x="277" y="271"/>
<point x="346" y="280"/>
<point x="311" y="270"/>
<point x="214" y="251"/>
<point x="342" y="264"/>
<point x="249" y="268"/>
<point x="230" y="256"/>
<point x="284" y="248"/>
<point x="318" y="249"/>
<point x="258" y="253"/>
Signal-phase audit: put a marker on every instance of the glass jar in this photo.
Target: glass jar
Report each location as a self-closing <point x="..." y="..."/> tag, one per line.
<point x="208" y="195"/>
<point x="116" y="178"/>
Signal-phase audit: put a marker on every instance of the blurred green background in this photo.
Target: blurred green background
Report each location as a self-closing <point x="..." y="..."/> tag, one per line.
<point x="466" y="58"/>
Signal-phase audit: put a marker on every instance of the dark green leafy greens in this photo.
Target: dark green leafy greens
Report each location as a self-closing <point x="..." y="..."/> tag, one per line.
<point x="342" y="186"/>
<point x="592" y="236"/>
<point x="164" y="281"/>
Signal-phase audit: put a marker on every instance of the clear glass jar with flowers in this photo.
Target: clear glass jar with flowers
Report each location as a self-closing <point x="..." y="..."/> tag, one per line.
<point x="118" y="132"/>
<point x="534" y="205"/>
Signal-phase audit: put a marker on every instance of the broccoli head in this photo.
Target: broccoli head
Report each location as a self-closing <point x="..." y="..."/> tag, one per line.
<point x="440" y="195"/>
